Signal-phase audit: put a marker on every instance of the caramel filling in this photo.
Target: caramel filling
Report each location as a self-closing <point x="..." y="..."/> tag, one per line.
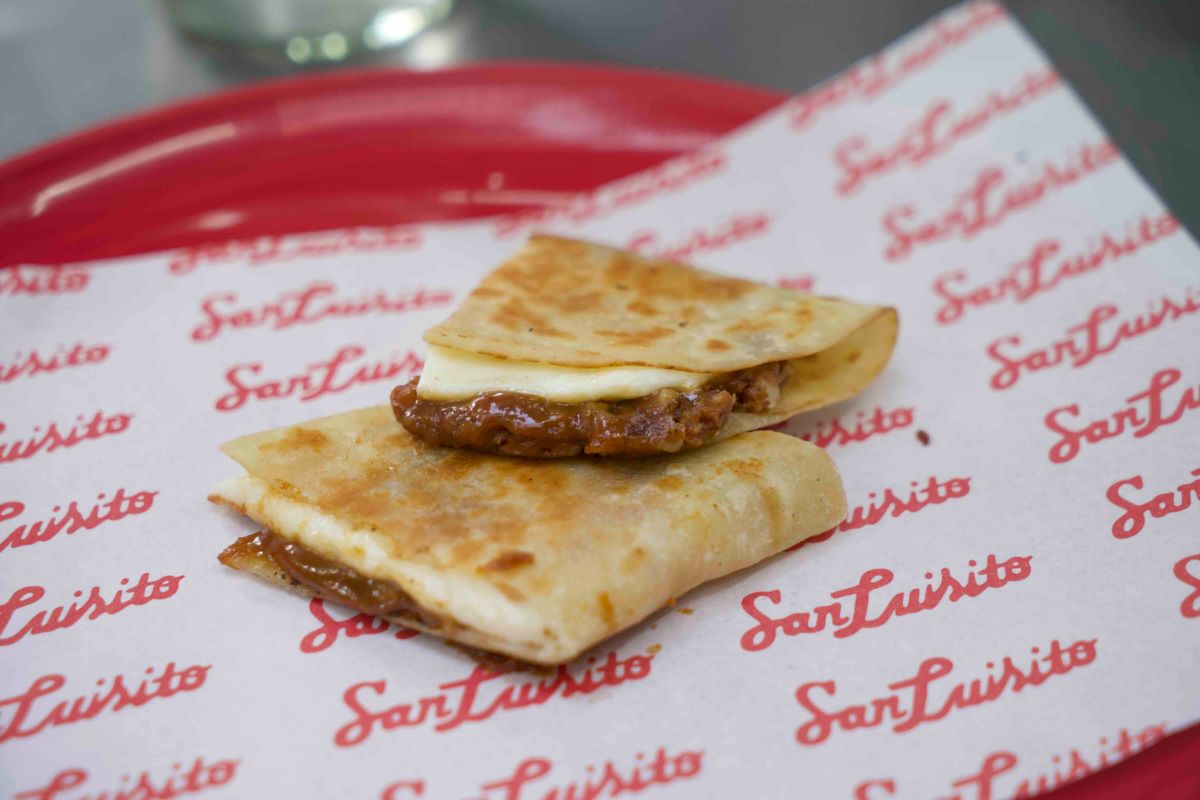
<point x="511" y="423"/>
<point x="326" y="578"/>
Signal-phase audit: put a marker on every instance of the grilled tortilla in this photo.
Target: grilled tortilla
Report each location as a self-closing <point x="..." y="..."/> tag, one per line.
<point x="537" y="560"/>
<point x="573" y="348"/>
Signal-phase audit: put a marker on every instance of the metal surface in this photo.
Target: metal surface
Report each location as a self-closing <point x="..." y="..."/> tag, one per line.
<point x="65" y="64"/>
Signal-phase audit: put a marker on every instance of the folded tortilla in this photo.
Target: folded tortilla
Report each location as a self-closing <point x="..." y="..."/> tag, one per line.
<point x="573" y="322"/>
<point x="537" y="560"/>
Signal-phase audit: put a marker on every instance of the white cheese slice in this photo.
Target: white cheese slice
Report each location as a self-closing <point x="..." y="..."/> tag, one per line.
<point x="458" y="375"/>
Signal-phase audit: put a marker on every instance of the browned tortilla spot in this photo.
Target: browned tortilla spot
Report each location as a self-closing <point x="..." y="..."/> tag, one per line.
<point x="574" y="302"/>
<point x="670" y="483"/>
<point x="606" y="610"/>
<point x="637" y="338"/>
<point x="287" y="489"/>
<point x="300" y="437"/>
<point x="511" y="592"/>
<point x="638" y="307"/>
<point x="516" y="315"/>
<point x="750" y="325"/>
<point x="508" y="560"/>
<point x="661" y="278"/>
<point x="467" y="550"/>
<point x="746" y="467"/>
<point x="633" y="559"/>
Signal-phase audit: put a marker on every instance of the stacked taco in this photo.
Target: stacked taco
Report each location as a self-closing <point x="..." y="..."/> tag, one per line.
<point x="581" y="448"/>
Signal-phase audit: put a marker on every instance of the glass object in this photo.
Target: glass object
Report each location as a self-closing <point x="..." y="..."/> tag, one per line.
<point x="306" y="31"/>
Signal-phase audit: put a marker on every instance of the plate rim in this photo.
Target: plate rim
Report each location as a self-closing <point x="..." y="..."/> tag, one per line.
<point x="322" y="82"/>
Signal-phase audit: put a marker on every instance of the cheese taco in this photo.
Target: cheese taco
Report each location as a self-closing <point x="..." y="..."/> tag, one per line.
<point x="573" y="348"/>
<point x="533" y="559"/>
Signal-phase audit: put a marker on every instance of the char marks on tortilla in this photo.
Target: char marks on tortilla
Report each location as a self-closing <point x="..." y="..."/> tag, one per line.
<point x="579" y="304"/>
<point x="515" y="555"/>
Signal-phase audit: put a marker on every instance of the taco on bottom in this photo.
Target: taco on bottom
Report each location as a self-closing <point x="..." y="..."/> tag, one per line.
<point x="534" y="559"/>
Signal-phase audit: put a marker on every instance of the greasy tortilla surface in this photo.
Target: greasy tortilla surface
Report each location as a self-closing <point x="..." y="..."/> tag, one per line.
<point x="580" y="304"/>
<point x="538" y="560"/>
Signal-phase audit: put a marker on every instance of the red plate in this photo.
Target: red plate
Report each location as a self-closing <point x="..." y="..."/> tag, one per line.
<point x="377" y="147"/>
<point x="351" y="148"/>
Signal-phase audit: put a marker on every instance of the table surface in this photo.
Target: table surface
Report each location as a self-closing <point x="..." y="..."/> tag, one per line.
<point x="68" y="64"/>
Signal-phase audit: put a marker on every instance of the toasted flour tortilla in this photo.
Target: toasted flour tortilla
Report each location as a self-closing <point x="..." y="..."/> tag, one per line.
<point x="579" y="304"/>
<point x="537" y="560"/>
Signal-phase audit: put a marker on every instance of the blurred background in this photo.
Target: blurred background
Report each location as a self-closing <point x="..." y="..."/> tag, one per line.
<point x="67" y="64"/>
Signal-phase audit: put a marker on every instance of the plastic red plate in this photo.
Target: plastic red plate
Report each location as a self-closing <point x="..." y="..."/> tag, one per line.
<point x="352" y="148"/>
<point x="384" y="147"/>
